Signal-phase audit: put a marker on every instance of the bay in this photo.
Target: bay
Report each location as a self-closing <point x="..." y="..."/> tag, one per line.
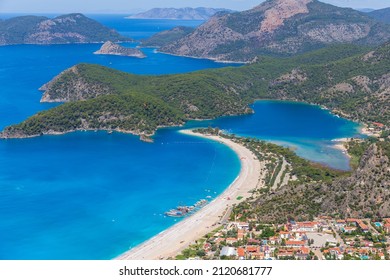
<point x="89" y="195"/>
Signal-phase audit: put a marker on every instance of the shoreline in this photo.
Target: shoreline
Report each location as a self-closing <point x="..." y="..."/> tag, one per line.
<point x="170" y="242"/>
<point x="340" y="144"/>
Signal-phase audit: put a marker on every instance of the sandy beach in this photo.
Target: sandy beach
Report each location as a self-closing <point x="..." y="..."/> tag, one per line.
<point x="172" y="241"/>
<point x="340" y="144"/>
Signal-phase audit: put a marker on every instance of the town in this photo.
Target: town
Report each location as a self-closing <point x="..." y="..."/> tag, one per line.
<point x="324" y="238"/>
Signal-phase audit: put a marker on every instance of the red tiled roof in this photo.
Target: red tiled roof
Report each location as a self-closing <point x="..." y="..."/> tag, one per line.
<point x="307" y="224"/>
<point x="362" y="225"/>
<point x="241" y="252"/>
<point x="378" y="124"/>
<point x="231" y="239"/>
<point x="294" y="243"/>
<point x="305" y="250"/>
<point x="252" y="249"/>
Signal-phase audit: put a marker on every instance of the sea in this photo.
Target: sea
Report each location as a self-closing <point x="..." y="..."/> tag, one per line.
<point x="95" y="195"/>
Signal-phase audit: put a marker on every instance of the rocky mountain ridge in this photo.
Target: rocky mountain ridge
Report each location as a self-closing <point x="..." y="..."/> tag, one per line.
<point x="279" y="27"/>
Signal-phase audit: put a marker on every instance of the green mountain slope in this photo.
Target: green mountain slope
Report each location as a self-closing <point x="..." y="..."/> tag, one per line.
<point x="349" y="79"/>
<point x="72" y="28"/>
<point x="164" y="38"/>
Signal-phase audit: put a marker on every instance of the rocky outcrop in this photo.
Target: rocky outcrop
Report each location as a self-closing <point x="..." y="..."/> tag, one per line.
<point x="109" y="48"/>
<point x="69" y="85"/>
<point x="72" y="28"/>
<point x="281" y="27"/>
<point x="179" y="14"/>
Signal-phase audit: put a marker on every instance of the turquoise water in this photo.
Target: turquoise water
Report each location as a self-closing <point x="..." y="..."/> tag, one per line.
<point x="95" y="195"/>
<point x="307" y="129"/>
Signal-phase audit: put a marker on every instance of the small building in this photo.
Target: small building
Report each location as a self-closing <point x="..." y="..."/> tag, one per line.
<point x="305" y="226"/>
<point x="348" y="230"/>
<point x="240" y="234"/>
<point x="363" y="226"/>
<point x="242" y="225"/>
<point x="295" y="244"/>
<point x="284" y="234"/>
<point x="283" y="253"/>
<point x="231" y="240"/>
<point x="302" y="253"/>
<point x="241" y="253"/>
<point x="341" y="223"/>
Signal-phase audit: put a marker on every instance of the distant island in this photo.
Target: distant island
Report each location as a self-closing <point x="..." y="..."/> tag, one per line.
<point x="278" y="27"/>
<point x="65" y="29"/>
<point x="110" y="48"/>
<point x="179" y="14"/>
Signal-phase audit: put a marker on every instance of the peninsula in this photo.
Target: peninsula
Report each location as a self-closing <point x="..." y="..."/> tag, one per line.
<point x="110" y="48"/>
<point x="346" y="79"/>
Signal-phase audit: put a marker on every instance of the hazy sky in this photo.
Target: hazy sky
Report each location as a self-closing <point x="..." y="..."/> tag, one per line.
<point x="129" y="6"/>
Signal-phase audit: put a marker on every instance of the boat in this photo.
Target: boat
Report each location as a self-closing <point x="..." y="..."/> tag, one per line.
<point x="174" y="213"/>
<point x="181" y="211"/>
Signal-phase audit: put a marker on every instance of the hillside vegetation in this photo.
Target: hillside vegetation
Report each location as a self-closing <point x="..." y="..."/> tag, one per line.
<point x="348" y="79"/>
<point x="365" y="193"/>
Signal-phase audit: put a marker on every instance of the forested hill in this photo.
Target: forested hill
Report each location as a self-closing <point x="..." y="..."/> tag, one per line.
<point x="71" y="28"/>
<point x="352" y="80"/>
<point x="167" y="36"/>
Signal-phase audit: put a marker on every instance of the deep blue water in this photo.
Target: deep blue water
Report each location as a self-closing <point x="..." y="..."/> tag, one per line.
<point x="94" y="195"/>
